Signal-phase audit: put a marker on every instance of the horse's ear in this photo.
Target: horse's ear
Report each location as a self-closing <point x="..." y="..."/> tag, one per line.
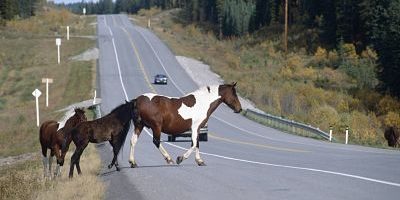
<point x="126" y="101"/>
<point x="234" y="84"/>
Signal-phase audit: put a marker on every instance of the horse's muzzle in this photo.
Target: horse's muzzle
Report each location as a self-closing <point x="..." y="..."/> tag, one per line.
<point x="238" y="111"/>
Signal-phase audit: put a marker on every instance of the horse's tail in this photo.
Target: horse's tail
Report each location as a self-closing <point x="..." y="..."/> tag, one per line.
<point x="124" y="133"/>
<point x="136" y="116"/>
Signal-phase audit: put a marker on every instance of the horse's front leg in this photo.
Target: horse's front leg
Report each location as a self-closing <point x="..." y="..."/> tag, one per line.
<point x="199" y="161"/>
<point x="186" y="155"/>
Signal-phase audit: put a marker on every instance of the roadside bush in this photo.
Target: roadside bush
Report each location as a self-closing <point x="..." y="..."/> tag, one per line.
<point x="387" y="104"/>
<point x="392" y="119"/>
<point x="323" y="117"/>
<point x="363" y="129"/>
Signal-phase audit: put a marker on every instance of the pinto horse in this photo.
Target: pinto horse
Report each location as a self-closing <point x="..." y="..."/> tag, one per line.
<point x="173" y="116"/>
<point x="113" y="128"/>
<point x="51" y="137"/>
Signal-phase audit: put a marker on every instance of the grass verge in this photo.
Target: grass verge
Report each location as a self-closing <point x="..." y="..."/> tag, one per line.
<point x="28" y="54"/>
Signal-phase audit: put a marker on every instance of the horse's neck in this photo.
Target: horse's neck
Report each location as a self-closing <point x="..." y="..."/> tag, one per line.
<point x="71" y="122"/>
<point x="121" y="116"/>
<point x="214" y="105"/>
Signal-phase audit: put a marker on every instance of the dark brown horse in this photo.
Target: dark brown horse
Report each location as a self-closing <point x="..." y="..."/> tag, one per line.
<point x="392" y="135"/>
<point x="176" y="115"/>
<point x="51" y="137"/>
<point x="113" y="128"/>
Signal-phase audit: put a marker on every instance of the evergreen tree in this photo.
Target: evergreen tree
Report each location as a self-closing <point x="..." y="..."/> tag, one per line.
<point x="382" y="20"/>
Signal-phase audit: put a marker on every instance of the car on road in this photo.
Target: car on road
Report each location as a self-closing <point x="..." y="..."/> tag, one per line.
<point x="203" y="135"/>
<point x="160" y="79"/>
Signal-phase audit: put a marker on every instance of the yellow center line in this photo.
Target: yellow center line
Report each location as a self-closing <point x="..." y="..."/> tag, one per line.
<point x="212" y="135"/>
<point x="141" y="66"/>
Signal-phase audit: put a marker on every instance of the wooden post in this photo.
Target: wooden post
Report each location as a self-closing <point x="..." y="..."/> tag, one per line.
<point x="286" y="27"/>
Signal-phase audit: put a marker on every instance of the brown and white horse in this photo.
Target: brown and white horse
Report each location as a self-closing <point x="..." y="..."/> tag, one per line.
<point x="51" y="137"/>
<point x="175" y="115"/>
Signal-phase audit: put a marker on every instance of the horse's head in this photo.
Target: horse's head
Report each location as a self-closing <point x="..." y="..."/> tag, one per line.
<point x="64" y="145"/>
<point x="229" y="97"/>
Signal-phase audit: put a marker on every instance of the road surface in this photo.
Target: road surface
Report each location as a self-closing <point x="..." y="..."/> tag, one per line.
<point x="245" y="160"/>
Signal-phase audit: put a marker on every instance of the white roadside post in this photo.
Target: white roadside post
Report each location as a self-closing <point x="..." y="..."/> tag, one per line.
<point x="47" y="81"/>
<point x="36" y="93"/>
<point x="67" y="32"/>
<point x="84" y="11"/>
<point x="58" y="43"/>
<point x="330" y="134"/>
<point x="347" y="135"/>
<point x="94" y="98"/>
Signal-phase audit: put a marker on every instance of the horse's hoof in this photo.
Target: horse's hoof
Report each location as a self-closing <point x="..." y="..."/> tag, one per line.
<point x="170" y="161"/>
<point x="109" y="166"/>
<point x="133" y="165"/>
<point x="118" y="169"/>
<point x="201" y="163"/>
<point x="179" y="159"/>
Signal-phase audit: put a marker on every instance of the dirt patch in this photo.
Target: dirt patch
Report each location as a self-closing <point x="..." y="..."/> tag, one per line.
<point x="11" y="160"/>
<point x="90" y="54"/>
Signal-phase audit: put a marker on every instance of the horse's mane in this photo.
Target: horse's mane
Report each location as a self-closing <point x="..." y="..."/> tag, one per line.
<point x="67" y="115"/>
<point x="122" y="111"/>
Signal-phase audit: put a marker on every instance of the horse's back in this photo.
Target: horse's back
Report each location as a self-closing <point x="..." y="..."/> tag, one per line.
<point x="161" y="110"/>
<point x="47" y="129"/>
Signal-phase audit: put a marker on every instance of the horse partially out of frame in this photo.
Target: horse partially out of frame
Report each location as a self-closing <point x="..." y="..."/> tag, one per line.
<point x="51" y="136"/>
<point x="175" y="115"/>
<point x="113" y="128"/>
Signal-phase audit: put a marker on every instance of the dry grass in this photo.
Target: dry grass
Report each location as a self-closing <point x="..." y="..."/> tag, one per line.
<point x="26" y="181"/>
<point x="86" y="186"/>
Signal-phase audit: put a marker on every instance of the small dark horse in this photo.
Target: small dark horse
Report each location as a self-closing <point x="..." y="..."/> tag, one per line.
<point x="51" y="137"/>
<point x="392" y="135"/>
<point x="175" y="115"/>
<point x="113" y="128"/>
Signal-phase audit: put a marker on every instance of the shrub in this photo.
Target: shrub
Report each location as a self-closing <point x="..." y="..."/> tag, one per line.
<point x="320" y="58"/>
<point x="387" y="104"/>
<point x="324" y="117"/>
<point x="364" y="129"/>
<point x="392" y="119"/>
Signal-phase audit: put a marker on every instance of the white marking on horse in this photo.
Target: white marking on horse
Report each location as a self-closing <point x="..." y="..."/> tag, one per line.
<point x="204" y="97"/>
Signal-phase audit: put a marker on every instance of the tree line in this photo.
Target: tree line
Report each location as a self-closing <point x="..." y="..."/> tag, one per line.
<point x="11" y="9"/>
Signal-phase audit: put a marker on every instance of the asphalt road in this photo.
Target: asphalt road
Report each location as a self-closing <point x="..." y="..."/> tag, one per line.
<point x="245" y="160"/>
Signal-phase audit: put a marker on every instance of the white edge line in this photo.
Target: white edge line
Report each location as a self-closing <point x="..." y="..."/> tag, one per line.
<point x="119" y="70"/>
<point x="288" y="166"/>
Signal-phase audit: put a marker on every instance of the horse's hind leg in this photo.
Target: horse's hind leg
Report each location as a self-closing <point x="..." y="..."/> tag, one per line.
<point x="135" y="137"/>
<point x="116" y="144"/>
<point x="156" y="141"/>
